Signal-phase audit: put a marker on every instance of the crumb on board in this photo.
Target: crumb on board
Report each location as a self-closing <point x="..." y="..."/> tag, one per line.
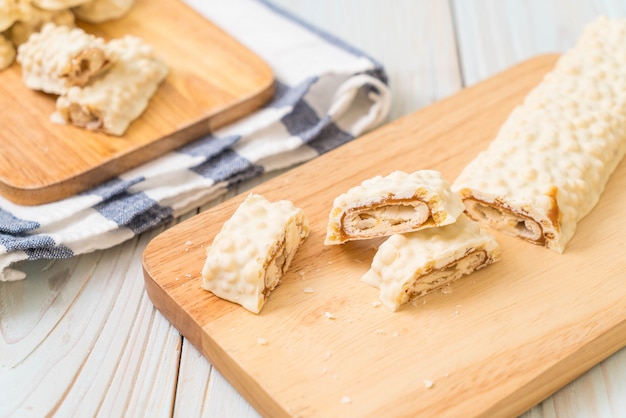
<point x="329" y="315"/>
<point x="376" y="303"/>
<point x="428" y="383"/>
<point x="261" y="341"/>
<point x="346" y="400"/>
<point x="308" y="290"/>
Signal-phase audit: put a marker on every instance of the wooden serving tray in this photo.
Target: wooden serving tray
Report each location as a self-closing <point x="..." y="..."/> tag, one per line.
<point x="505" y="338"/>
<point x="213" y="80"/>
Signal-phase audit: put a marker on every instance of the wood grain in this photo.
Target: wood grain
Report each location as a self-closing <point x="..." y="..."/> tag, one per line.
<point x="503" y="340"/>
<point x="213" y="81"/>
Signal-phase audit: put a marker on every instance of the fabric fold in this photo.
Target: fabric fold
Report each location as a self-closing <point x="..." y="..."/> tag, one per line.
<point x="327" y="93"/>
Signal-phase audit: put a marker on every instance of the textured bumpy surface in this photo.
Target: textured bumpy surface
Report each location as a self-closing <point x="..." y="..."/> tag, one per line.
<point x="397" y="203"/>
<point x="60" y="57"/>
<point x="411" y="265"/>
<point x="255" y="247"/>
<point x="112" y="101"/>
<point x="98" y="11"/>
<point x="549" y="163"/>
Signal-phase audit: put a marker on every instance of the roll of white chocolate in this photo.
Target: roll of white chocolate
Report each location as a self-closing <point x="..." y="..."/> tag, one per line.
<point x="552" y="158"/>
<point x="112" y="101"/>
<point x="60" y="57"/>
<point x="397" y="203"/>
<point x="409" y="266"/>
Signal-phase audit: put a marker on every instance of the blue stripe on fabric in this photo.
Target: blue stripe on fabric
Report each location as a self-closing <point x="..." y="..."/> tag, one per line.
<point x="321" y="134"/>
<point x="11" y="224"/>
<point x="223" y="166"/>
<point x="137" y="211"/>
<point x="330" y="137"/>
<point x="149" y="219"/>
<point x="285" y="95"/>
<point x="24" y="242"/>
<point x="112" y="187"/>
<point x="208" y="146"/>
<point x="59" y="251"/>
<point x="322" y="34"/>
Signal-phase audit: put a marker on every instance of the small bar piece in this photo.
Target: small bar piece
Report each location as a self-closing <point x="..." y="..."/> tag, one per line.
<point x="553" y="156"/>
<point x="59" y="57"/>
<point x="114" y="100"/>
<point x="253" y="250"/>
<point x="394" y="204"/>
<point x="409" y="266"/>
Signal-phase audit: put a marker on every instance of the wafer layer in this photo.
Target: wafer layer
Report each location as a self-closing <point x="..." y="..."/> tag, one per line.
<point x="409" y="266"/>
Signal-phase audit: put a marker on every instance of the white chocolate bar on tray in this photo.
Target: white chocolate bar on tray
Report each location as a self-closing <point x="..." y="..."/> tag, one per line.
<point x="111" y="102"/>
<point x="59" y="57"/>
<point x="397" y="203"/>
<point x="409" y="266"/>
<point x="553" y="156"/>
<point x="98" y="11"/>
<point x="253" y="250"/>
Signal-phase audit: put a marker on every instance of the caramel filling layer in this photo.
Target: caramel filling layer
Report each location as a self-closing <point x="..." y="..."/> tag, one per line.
<point x="436" y="279"/>
<point x="505" y="219"/>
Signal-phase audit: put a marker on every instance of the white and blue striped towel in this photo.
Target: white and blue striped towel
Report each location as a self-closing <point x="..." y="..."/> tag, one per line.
<point x="327" y="93"/>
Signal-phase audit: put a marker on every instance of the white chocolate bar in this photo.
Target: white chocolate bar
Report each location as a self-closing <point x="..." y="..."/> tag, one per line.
<point x="394" y="204"/>
<point x="7" y="53"/>
<point x="253" y="250"/>
<point x="98" y="11"/>
<point x="112" y="101"/>
<point x="9" y="13"/>
<point x="409" y="266"/>
<point x="59" y="57"/>
<point x="32" y="19"/>
<point x="57" y="4"/>
<point x="552" y="158"/>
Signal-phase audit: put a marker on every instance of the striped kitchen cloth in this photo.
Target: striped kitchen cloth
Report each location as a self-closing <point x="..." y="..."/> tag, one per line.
<point x="327" y="93"/>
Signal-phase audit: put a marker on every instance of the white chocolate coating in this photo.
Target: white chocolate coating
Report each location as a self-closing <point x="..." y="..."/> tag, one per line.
<point x="32" y="19"/>
<point x="397" y="203"/>
<point x="253" y="250"/>
<point x="551" y="159"/>
<point x="409" y="266"/>
<point x="57" y="4"/>
<point x="59" y="57"/>
<point x="112" y="101"/>
<point x="9" y="13"/>
<point x="98" y="11"/>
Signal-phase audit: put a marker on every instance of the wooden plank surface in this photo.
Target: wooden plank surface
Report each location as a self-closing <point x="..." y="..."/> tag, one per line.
<point x="503" y="340"/>
<point x="213" y="80"/>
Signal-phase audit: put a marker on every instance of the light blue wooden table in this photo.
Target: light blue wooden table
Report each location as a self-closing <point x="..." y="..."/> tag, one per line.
<point x="65" y="332"/>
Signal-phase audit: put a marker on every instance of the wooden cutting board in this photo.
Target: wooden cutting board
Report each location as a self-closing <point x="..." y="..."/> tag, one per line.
<point x="502" y="340"/>
<point x="213" y="80"/>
